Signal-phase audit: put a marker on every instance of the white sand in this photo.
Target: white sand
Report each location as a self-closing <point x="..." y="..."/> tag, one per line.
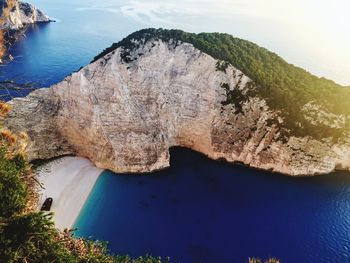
<point x="69" y="181"/>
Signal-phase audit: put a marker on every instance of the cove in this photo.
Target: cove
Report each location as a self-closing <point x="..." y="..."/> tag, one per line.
<point x="200" y="210"/>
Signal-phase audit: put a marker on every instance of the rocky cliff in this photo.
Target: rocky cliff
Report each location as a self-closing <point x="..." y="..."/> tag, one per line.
<point x="14" y="17"/>
<point x="127" y="108"/>
<point x="16" y="14"/>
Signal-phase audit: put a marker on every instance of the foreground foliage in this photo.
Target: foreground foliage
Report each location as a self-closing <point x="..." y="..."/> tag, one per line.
<point x="5" y="10"/>
<point x="286" y="88"/>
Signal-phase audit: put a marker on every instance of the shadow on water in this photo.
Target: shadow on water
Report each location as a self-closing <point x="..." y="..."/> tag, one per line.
<point x="200" y="210"/>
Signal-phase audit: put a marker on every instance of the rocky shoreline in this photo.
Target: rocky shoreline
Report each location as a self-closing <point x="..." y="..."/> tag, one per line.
<point x="15" y="18"/>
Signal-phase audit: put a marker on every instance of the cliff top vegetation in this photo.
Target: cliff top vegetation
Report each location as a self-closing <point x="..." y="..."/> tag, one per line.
<point x="285" y="87"/>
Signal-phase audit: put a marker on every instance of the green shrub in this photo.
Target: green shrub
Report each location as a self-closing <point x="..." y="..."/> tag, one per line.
<point x="13" y="190"/>
<point x="31" y="238"/>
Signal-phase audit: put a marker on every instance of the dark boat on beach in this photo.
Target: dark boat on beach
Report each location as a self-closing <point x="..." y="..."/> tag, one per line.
<point x="47" y="204"/>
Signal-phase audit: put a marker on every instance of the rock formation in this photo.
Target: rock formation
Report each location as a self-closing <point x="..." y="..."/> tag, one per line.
<point x="14" y="17"/>
<point x="125" y="115"/>
<point x="17" y="14"/>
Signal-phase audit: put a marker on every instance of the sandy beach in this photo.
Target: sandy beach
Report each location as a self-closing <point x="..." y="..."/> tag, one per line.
<point x="69" y="181"/>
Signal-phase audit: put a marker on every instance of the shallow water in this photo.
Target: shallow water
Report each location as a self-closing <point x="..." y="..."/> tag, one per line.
<point x="201" y="210"/>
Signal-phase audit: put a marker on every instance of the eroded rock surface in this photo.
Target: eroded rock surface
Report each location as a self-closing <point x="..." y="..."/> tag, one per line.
<point x="124" y="116"/>
<point x="16" y="14"/>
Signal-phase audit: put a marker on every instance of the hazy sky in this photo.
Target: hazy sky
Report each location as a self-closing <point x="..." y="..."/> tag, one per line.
<point x="319" y="29"/>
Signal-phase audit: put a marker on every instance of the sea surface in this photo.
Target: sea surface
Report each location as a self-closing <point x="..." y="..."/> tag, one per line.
<point x="198" y="210"/>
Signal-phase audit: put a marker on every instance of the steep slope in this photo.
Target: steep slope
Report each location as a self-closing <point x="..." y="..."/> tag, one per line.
<point x="146" y="94"/>
<point x="14" y="16"/>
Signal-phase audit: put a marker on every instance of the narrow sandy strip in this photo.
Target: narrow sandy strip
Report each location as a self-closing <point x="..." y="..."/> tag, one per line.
<point x="69" y="181"/>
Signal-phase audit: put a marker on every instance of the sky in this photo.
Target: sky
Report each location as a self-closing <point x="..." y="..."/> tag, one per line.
<point x="319" y="29"/>
<point x="317" y="16"/>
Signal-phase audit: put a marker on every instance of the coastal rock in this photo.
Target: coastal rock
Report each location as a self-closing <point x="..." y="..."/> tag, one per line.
<point x="38" y="113"/>
<point x="17" y="14"/>
<point x="125" y="115"/>
<point x="14" y="17"/>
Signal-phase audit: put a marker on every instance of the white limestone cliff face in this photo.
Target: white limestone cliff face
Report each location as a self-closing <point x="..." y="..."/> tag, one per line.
<point x="16" y="14"/>
<point x="125" y="116"/>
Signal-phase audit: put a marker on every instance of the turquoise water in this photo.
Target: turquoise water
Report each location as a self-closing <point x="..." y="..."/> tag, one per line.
<point x="201" y="210"/>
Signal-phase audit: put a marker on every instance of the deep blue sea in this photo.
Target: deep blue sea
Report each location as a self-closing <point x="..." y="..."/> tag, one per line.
<point x="198" y="210"/>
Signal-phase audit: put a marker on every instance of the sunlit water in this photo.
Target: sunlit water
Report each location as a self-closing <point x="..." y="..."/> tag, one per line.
<point x="201" y="210"/>
<point x="198" y="210"/>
